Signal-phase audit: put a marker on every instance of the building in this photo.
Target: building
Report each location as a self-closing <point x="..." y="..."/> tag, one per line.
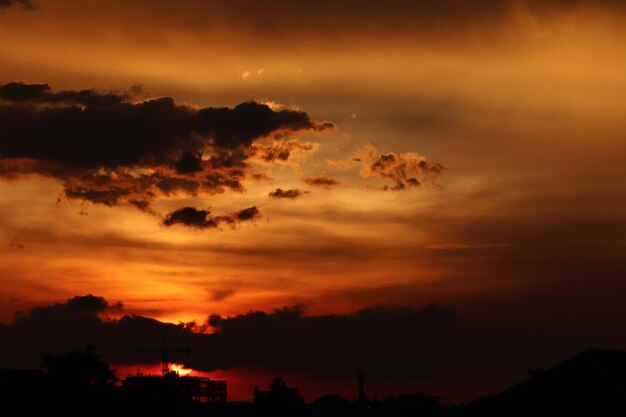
<point x="172" y="387"/>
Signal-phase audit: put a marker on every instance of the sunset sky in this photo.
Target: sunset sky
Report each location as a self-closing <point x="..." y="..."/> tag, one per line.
<point x="198" y="158"/>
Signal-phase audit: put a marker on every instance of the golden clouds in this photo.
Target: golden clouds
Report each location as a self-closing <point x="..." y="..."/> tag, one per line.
<point x="404" y="170"/>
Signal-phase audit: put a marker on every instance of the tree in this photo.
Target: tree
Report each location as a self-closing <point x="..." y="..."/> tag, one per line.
<point x="79" y="368"/>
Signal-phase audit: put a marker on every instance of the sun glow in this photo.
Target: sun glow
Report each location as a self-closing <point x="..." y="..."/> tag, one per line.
<point x="180" y="369"/>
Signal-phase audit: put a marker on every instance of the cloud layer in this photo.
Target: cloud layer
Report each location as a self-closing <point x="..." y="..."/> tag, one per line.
<point x="110" y="150"/>
<point x="344" y="18"/>
<point x="276" y="340"/>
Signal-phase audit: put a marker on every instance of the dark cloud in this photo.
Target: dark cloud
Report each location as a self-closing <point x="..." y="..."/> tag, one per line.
<point x="77" y="306"/>
<point x="189" y="163"/>
<point x="190" y="216"/>
<point x="247" y="121"/>
<point x="280" y="150"/>
<point x="170" y="185"/>
<point x="27" y="4"/>
<point x="321" y="181"/>
<point x="202" y="219"/>
<point x="291" y="194"/>
<point x="247" y="214"/>
<point x="221" y="295"/>
<point x="333" y="340"/>
<point x="276" y="340"/>
<point x="220" y="182"/>
<point x="227" y="160"/>
<point x="109" y="150"/>
<point x="107" y="131"/>
<point x="90" y="303"/>
<point x="18" y="92"/>
<point x="109" y="197"/>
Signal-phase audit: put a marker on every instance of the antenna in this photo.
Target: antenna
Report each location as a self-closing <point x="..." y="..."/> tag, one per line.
<point x="165" y="351"/>
<point x="165" y="355"/>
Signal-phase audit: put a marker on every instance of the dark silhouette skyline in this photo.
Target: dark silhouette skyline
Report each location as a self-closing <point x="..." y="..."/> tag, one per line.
<point x="590" y="382"/>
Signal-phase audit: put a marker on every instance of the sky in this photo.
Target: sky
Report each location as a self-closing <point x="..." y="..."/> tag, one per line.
<point x="438" y="186"/>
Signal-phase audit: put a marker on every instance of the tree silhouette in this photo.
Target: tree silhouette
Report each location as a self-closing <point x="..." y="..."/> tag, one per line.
<point x="79" y="368"/>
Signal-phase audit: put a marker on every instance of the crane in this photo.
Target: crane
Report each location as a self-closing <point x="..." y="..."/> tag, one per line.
<point x="165" y="354"/>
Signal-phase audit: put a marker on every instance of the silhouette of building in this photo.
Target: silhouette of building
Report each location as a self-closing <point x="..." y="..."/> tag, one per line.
<point x="172" y="387"/>
<point x="278" y="400"/>
<point x="592" y="383"/>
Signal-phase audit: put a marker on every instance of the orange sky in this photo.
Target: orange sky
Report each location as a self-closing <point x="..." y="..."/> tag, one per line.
<point x="523" y="103"/>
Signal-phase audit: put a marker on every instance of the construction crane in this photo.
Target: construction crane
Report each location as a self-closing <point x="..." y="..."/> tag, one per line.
<point x="165" y="354"/>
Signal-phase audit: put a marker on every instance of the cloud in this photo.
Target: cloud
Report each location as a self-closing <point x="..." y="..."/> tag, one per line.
<point x="276" y="340"/>
<point x="221" y="295"/>
<point x="219" y="182"/>
<point x="90" y="303"/>
<point x="26" y="4"/>
<point x="110" y="150"/>
<point x="465" y="246"/>
<point x="261" y="176"/>
<point x="290" y="194"/>
<point x="288" y="21"/>
<point x="190" y="216"/>
<point x="404" y="170"/>
<point x="321" y="181"/>
<point x="336" y="341"/>
<point x="280" y="151"/>
<point x="110" y="196"/>
<point x="202" y="219"/>
<point x="78" y="306"/>
<point x="107" y="131"/>
<point x="189" y="163"/>
<point x="248" y="214"/>
<point x="18" y="92"/>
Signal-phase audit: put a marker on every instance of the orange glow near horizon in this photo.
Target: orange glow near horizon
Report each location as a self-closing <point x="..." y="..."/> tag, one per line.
<point x="180" y="369"/>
